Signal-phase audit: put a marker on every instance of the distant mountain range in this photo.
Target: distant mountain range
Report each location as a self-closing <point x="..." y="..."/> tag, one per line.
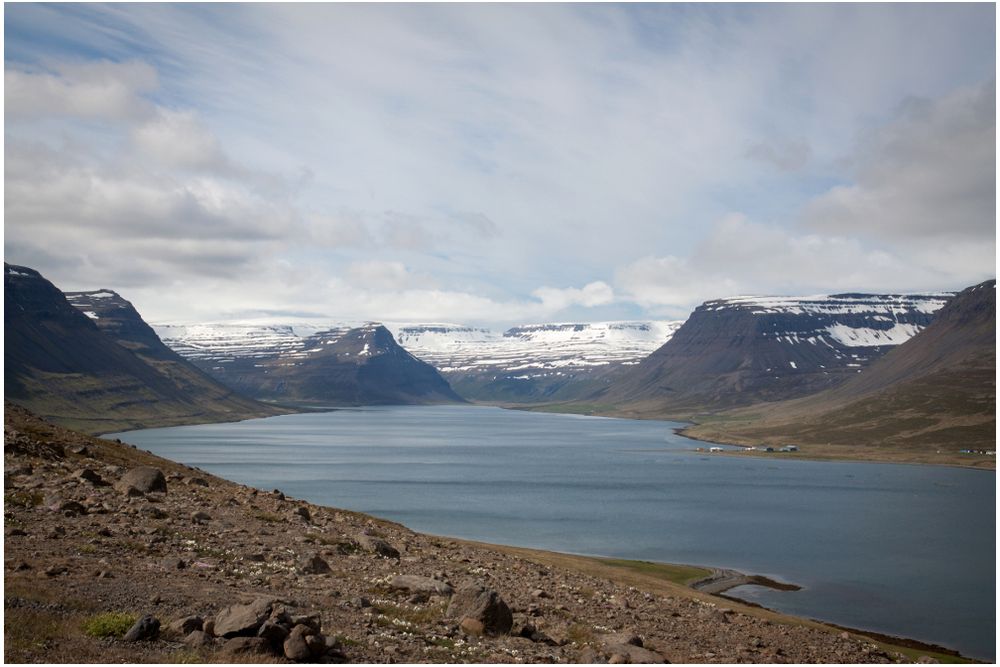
<point x="535" y="362"/>
<point x="748" y="350"/>
<point x="321" y="365"/>
<point x="937" y="390"/>
<point x="103" y="371"/>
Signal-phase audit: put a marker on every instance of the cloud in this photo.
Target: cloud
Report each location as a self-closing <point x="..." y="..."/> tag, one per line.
<point x="783" y="154"/>
<point x="930" y="172"/>
<point x="100" y="90"/>
<point x="597" y="293"/>
<point x="383" y="275"/>
<point x="741" y="256"/>
<point x="178" y="139"/>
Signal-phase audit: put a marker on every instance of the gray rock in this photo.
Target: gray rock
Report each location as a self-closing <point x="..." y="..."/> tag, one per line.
<point x="274" y="632"/>
<point x="314" y="565"/>
<point x="200" y="517"/>
<point x="295" y="647"/>
<point x="241" y="619"/>
<point x="88" y="475"/>
<point x="144" y="478"/>
<point x="483" y="605"/>
<point x="147" y="627"/>
<point x="153" y="512"/>
<point x="377" y="546"/>
<point x="247" y="646"/>
<point x="635" y="655"/>
<point x="186" y="625"/>
<point x="304" y="513"/>
<point x="197" y="639"/>
<point x="417" y="584"/>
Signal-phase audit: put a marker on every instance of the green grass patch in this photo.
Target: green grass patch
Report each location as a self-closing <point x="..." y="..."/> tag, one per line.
<point x="678" y="574"/>
<point x="109" y="624"/>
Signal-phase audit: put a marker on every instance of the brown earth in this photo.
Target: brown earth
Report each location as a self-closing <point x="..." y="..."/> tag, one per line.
<point x="79" y="544"/>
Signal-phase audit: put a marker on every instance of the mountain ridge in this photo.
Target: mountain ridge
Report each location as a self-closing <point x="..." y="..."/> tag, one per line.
<point x="59" y="363"/>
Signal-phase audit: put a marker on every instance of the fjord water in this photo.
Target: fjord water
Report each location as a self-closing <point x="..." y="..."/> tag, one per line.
<point x="900" y="549"/>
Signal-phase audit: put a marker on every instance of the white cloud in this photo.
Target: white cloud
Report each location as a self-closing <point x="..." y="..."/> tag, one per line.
<point x="178" y="139"/>
<point x="102" y="89"/>
<point x="597" y="293"/>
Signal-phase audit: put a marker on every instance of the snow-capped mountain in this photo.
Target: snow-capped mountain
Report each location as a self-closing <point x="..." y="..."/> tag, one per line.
<point x="331" y="364"/>
<point x="534" y="361"/>
<point x="742" y="350"/>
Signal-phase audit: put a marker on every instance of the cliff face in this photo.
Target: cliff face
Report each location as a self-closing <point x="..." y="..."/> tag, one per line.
<point x="748" y="350"/>
<point x="62" y="365"/>
<point x="934" y="394"/>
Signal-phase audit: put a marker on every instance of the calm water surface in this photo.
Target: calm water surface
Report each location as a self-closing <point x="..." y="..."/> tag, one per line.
<point x="901" y="549"/>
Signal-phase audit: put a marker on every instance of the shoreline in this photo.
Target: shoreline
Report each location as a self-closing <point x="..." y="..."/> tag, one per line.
<point x="671" y="581"/>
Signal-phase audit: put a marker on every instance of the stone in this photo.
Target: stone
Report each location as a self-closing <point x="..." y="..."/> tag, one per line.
<point x="152" y="511"/>
<point x="304" y="513"/>
<point x="208" y="627"/>
<point x="417" y="584"/>
<point x="88" y="475"/>
<point x="172" y="563"/>
<point x="360" y="602"/>
<point x="186" y="625"/>
<point x="316" y="644"/>
<point x="274" y="632"/>
<point x="629" y="638"/>
<point x="200" y="517"/>
<point x="241" y="619"/>
<point x="144" y="478"/>
<point x="197" y="639"/>
<point x="247" y="646"/>
<point x="295" y="647"/>
<point x="471" y="626"/>
<point x="314" y="565"/>
<point x="635" y="654"/>
<point x="484" y="605"/>
<point x="311" y="621"/>
<point x="196" y="481"/>
<point x="147" y="627"/>
<point x="377" y="546"/>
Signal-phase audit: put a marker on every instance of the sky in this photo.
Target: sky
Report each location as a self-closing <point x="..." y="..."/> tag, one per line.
<point x="497" y="164"/>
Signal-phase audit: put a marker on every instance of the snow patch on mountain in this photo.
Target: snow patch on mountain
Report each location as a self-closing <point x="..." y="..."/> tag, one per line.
<point x="533" y="349"/>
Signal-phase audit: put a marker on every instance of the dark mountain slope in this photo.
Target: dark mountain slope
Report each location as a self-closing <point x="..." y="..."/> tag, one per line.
<point x="60" y="364"/>
<point x="935" y="392"/>
<point x="748" y="350"/>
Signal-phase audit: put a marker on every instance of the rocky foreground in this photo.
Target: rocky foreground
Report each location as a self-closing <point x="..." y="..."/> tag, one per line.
<point x="194" y="568"/>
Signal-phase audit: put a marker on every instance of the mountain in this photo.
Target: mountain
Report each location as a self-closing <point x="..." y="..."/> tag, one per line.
<point x="747" y="350"/>
<point x="77" y="371"/>
<point x="937" y="391"/>
<point x="310" y="364"/>
<point x="535" y="362"/>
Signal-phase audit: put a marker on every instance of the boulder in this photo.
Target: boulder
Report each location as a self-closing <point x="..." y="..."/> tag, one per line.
<point x="629" y="653"/>
<point x="247" y="646"/>
<point x="417" y="584"/>
<point x="144" y="478"/>
<point x="186" y="625"/>
<point x="197" y="639"/>
<point x="88" y="475"/>
<point x="377" y="546"/>
<point x="483" y="605"/>
<point x="147" y="627"/>
<point x="295" y="647"/>
<point x="241" y="619"/>
<point x="314" y="565"/>
<point x="304" y="513"/>
<point x="200" y="517"/>
<point x="274" y="632"/>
